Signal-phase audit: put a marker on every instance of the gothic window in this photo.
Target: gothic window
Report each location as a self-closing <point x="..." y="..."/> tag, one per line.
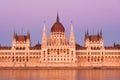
<point x="54" y="50"/>
<point x="64" y="50"/>
<point x="72" y="53"/>
<point x="48" y="51"/>
<point x="102" y="58"/>
<point x="67" y="51"/>
<point x="58" y="51"/>
<point x="88" y="59"/>
<point x="17" y="59"/>
<point x="27" y="58"/>
<point x="48" y="59"/>
<point x="72" y="59"/>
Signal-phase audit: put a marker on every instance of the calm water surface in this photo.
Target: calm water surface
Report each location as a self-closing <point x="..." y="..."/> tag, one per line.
<point x="59" y="74"/>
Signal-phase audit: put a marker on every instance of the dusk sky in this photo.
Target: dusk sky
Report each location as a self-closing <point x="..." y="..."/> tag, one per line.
<point x="29" y="15"/>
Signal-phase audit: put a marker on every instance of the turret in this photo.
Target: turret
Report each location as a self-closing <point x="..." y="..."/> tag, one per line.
<point x="98" y="34"/>
<point x="28" y="41"/>
<point x="14" y="39"/>
<point x="101" y="33"/>
<point x="14" y="36"/>
<point x="28" y="35"/>
<point x="86" y="35"/>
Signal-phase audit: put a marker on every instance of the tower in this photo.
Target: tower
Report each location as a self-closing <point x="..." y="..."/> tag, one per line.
<point x="44" y="37"/>
<point x="21" y="42"/>
<point x="94" y="41"/>
<point x="72" y="39"/>
<point x="72" y="45"/>
<point x="101" y="34"/>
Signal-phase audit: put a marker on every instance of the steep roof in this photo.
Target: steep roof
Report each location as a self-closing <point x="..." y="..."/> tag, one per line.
<point x="21" y="38"/>
<point x="94" y="38"/>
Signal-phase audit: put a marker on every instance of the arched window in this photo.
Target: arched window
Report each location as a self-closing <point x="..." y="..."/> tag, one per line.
<point x="58" y="51"/>
<point x="48" y="51"/>
<point x="72" y="53"/>
<point x="67" y="51"/>
<point x="17" y="59"/>
<point x="20" y="59"/>
<point x="27" y="58"/>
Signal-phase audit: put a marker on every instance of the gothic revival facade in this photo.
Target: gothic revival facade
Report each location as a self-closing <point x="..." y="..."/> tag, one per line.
<point x="59" y="51"/>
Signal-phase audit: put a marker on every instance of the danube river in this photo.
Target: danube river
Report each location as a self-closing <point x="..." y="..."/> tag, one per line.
<point x="59" y="74"/>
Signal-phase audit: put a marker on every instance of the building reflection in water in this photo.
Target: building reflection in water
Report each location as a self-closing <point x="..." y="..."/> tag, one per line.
<point x="98" y="75"/>
<point x="38" y="74"/>
<point x="59" y="74"/>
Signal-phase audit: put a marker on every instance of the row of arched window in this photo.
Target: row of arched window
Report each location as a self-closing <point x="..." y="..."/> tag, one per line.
<point x="98" y="59"/>
<point x="58" y="51"/>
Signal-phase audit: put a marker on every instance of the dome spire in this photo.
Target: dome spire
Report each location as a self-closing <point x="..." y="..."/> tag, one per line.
<point x="57" y="17"/>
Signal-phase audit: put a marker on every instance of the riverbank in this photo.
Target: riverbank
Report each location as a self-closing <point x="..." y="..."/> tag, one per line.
<point x="61" y="68"/>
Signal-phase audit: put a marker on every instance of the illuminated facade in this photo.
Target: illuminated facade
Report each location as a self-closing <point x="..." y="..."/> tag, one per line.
<point x="59" y="51"/>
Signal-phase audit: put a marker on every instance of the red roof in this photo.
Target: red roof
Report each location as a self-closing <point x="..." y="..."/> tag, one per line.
<point x="94" y="38"/>
<point x="57" y="27"/>
<point x="21" y="38"/>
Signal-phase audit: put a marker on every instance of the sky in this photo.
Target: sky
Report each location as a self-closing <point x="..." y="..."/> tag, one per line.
<point x="29" y="15"/>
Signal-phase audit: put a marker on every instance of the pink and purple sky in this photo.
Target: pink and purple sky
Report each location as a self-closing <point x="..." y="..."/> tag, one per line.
<point x="93" y="15"/>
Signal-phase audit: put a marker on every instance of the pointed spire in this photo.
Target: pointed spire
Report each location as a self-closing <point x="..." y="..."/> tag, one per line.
<point x="114" y="44"/>
<point x="57" y="20"/>
<point x="44" y="37"/>
<point x="28" y="35"/>
<point x="15" y="34"/>
<point x="14" y="37"/>
<point x="87" y="32"/>
<point x="101" y="32"/>
<point x="85" y="35"/>
<point x="98" y="34"/>
<point x="44" y="29"/>
<point x="72" y="39"/>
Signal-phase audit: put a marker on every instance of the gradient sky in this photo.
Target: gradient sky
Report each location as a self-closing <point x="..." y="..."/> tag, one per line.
<point x="30" y="15"/>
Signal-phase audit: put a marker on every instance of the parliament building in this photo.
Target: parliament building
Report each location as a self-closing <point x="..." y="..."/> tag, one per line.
<point x="59" y="51"/>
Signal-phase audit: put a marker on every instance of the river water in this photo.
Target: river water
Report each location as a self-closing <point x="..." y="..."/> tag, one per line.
<point x="59" y="74"/>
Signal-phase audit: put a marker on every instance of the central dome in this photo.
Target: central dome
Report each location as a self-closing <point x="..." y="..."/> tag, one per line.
<point x="57" y="26"/>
